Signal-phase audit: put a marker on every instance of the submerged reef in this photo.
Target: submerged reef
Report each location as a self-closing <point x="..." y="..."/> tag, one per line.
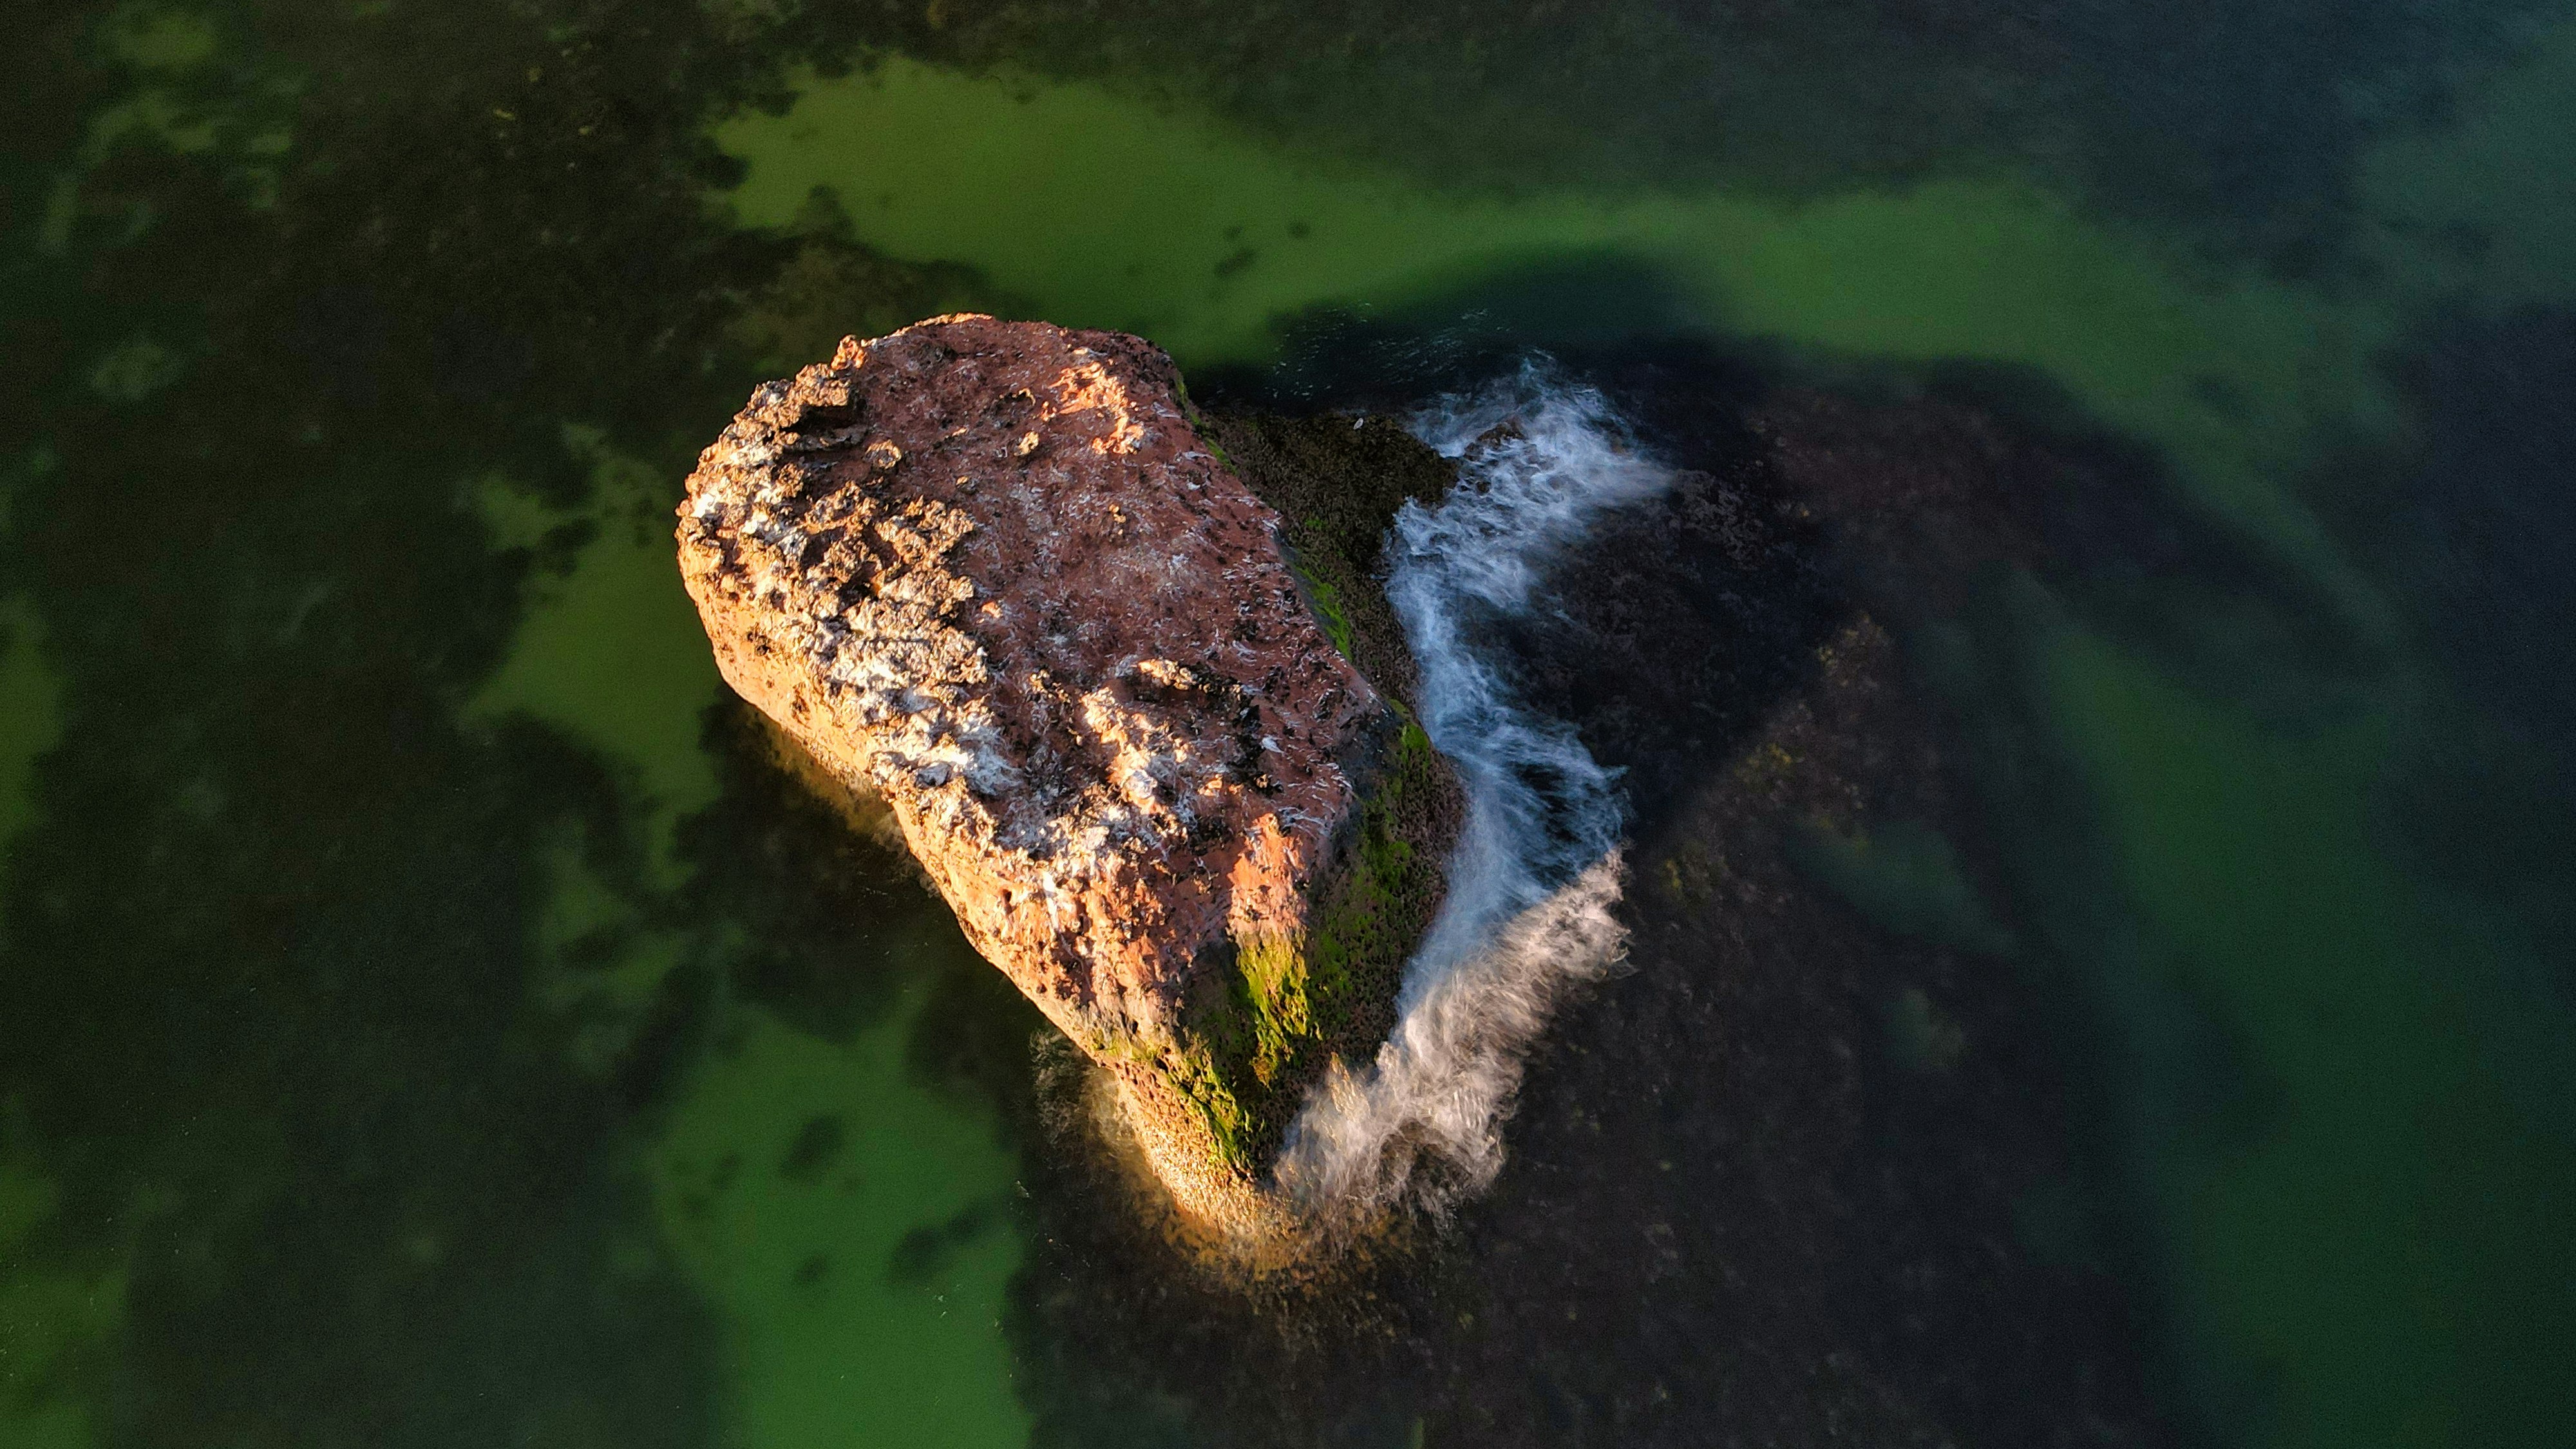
<point x="1122" y="711"/>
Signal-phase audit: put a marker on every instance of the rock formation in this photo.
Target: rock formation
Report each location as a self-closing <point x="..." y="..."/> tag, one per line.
<point x="993" y="573"/>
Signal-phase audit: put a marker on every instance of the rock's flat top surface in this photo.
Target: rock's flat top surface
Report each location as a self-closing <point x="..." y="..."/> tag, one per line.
<point x="990" y="570"/>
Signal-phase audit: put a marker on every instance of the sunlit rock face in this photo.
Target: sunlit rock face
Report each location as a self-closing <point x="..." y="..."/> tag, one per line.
<point x="991" y="572"/>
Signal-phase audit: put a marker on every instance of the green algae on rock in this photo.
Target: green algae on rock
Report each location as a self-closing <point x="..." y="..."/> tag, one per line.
<point x="990" y="572"/>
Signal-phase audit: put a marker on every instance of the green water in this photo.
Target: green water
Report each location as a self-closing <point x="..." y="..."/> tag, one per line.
<point x="610" y="652"/>
<point x="2415" y="1147"/>
<point x="2405" y="1166"/>
<point x="371" y="828"/>
<point x="1201" y="237"/>
<point x="825" y="1348"/>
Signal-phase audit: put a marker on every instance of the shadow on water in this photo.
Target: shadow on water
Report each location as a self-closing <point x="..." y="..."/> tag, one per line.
<point x="2209" y="602"/>
<point x="1390" y="359"/>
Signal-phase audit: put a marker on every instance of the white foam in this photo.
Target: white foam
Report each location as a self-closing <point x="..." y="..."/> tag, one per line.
<point x="1536" y="871"/>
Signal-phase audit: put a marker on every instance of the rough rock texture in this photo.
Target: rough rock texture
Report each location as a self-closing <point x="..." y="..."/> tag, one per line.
<point x="991" y="572"/>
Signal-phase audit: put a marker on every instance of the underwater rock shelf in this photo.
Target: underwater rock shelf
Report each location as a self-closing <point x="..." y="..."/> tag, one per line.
<point x="994" y="573"/>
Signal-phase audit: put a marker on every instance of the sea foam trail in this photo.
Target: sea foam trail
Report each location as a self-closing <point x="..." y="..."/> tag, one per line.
<point x="1536" y="871"/>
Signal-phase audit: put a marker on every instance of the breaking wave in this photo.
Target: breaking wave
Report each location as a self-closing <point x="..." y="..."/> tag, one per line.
<point x="1536" y="872"/>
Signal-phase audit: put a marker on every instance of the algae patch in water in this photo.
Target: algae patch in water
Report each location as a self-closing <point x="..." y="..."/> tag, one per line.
<point x="598" y="963"/>
<point x="610" y="651"/>
<point x="860" y="1283"/>
<point x="2385" y="1230"/>
<point x="1906" y="878"/>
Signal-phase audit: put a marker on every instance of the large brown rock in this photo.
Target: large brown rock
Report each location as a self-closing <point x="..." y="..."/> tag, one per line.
<point x="991" y="572"/>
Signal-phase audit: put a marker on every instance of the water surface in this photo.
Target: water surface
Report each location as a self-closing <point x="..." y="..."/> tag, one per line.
<point x="430" y="1012"/>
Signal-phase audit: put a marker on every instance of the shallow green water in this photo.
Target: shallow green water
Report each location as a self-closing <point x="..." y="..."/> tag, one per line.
<point x="2415" y="1147"/>
<point x="825" y="1349"/>
<point x="409" y="1033"/>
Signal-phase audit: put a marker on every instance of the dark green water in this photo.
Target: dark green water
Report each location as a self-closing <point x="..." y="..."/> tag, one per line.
<point x="426" y="1019"/>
